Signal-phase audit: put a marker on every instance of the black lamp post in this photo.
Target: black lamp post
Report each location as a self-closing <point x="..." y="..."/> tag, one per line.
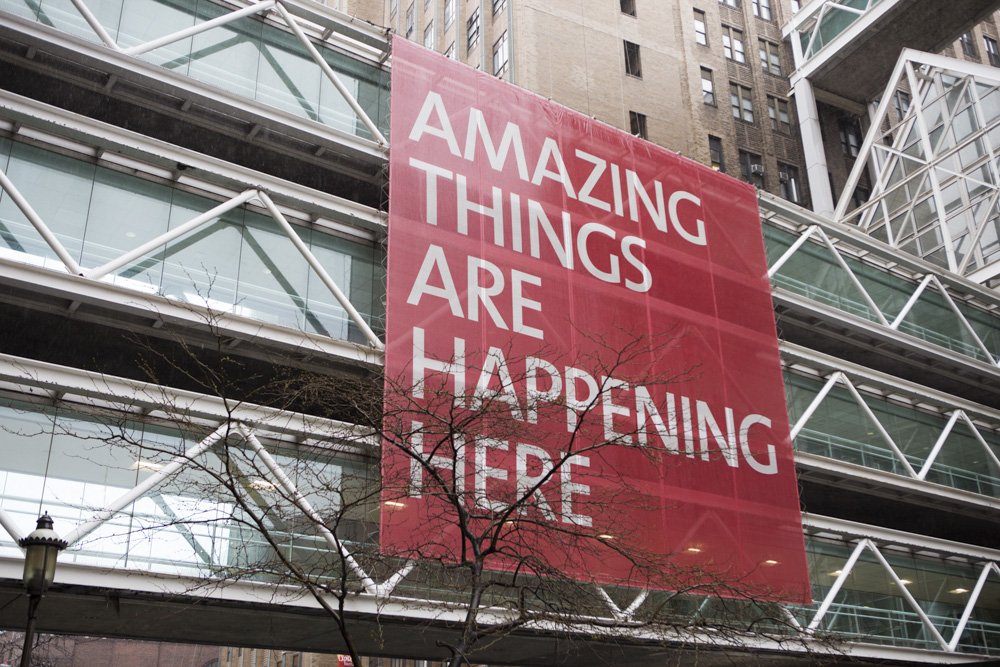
<point x="41" y="548"/>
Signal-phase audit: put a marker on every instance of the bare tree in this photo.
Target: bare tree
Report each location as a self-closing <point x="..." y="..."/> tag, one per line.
<point x="507" y="551"/>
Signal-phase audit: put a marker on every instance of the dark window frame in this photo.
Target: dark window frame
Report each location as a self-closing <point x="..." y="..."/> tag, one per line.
<point x="633" y="59"/>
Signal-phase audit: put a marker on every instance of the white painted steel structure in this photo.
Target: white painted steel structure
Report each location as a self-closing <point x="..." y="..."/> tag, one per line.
<point x="934" y="166"/>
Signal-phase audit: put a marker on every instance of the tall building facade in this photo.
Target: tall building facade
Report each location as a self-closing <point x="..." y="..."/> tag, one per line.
<point x="208" y="179"/>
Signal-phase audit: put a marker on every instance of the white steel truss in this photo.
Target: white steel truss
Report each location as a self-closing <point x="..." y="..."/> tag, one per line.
<point x="934" y="154"/>
<point x="820" y="23"/>
<point x="839" y="378"/>
<point x="282" y="9"/>
<point x="816" y="233"/>
<point x="876" y="543"/>
<point x="44" y="116"/>
<point x="128" y="257"/>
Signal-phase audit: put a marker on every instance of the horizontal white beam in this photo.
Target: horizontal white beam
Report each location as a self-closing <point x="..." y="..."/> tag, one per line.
<point x="881" y="535"/>
<point x="866" y="375"/>
<point x="74" y="288"/>
<point x="80" y="384"/>
<point x="160" y="154"/>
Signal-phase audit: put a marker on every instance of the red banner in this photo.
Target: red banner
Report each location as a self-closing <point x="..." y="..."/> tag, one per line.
<point x="580" y="326"/>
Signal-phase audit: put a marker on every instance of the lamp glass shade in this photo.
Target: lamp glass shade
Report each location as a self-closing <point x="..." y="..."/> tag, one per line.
<point x="39" y="567"/>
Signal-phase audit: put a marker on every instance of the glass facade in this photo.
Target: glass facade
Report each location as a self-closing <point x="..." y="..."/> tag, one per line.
<point x="814" y="272"/>
<point x="72" y="465"/>
<point x="240" y="263"/>
<point x="841" y="429"/>
<point x="871" y="607"/>
<point x="249" y="57"/>
<point x="935" y="180"/>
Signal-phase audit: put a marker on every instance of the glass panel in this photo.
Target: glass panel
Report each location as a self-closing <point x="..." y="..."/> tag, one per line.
<point x="343" y="261"/>
<point x="813" y="272"/>
<point x="871" y="606"/>
<point x="24" y="453"/>
<point x="933" y="320"/>
<point x="248" y="57"/>
<point x="840" y="429"/>
<point x="202" y="267"/>
<point x="125" y="212"/>
<point x="71" y="465"/>
<point x="146" y="20"/>
<point x="226" y="56"/>
<point x="62" y="14"/>
<point x="986" y="326"/>
<point x="26" y="8"/>
<point x="964" y="125"/>
<point x="287" y="77"/>
<point x="370" y="87"/>
<point x="963" y="463"/>
<point x="776" y="242"/>
<point x="913" y="431"/>
<point x="110" y="213"/>
<point x="273" y="274"/>
<point x="58" y="189"/>
<point x="91" y="464"/>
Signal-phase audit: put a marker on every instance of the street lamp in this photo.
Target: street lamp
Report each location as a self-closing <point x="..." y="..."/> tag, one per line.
<point x="41" y="548"/>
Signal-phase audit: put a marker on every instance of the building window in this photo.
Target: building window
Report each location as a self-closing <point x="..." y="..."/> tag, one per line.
<point x="901" y="101"/>
<point x="409" y="21"/>
<point x="742" y="102"/>
<point x="429" y="36"/>
<point x="791" y="186"/>
<point x="770" y="57"/>
<point x="637" y="124"/>
<point x="472" y="29"/>
<point x="500" y="55"/>
<point x="498" y="6"/>
<point x="850" y="140"/>
<point x="752" y="169"/>
<point x="633" y="66"/>
<point x="730" y="3"/>
<point x="450" y="51"/>
<point x="796" y="6"/>
<point x="777" y="109"/>
<point x="992" y="51"/>
<point x="393" y="5"/>
<point x="628" y="7"/>
<point x="707" y="87"/>
<point x="449" y="13"/>
<point x="762" y="9"/>
<point x="715" y="153"/>
<point x="968" y="45"/>
<point x="700" y="36"/>
<point x="732" y="44"/>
